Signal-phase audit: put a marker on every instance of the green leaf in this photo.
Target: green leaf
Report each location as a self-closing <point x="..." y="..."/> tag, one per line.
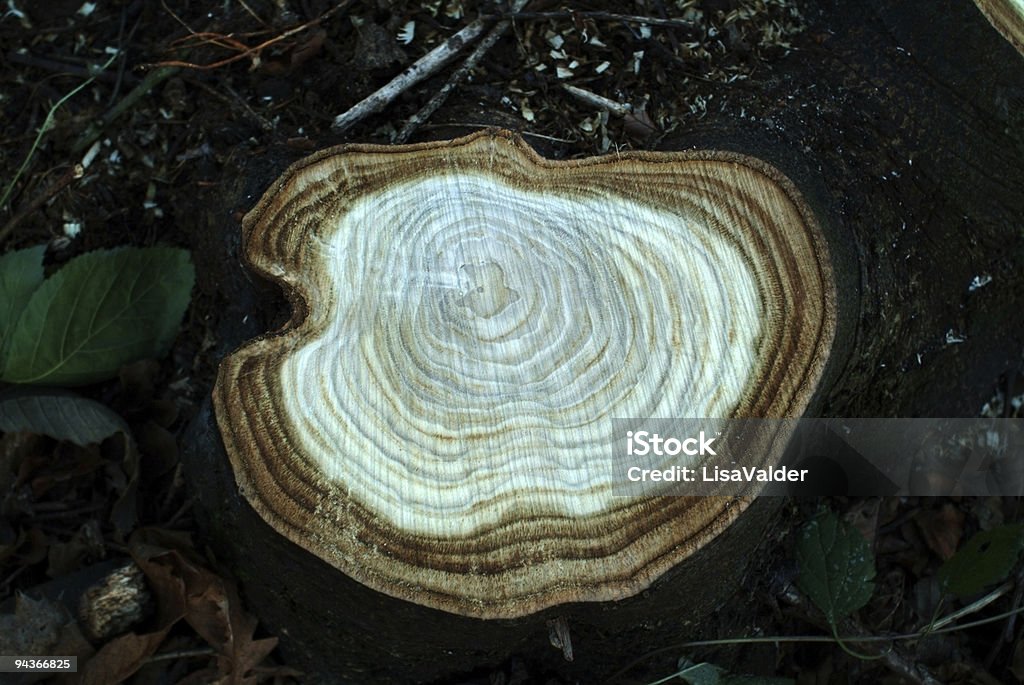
<point x="756" y="680"/>
<point x="836" y="566"/>
<point x="62" y="417"/>
<point x="102" y="310"/>
<point x="986" y="559"/>
<point x="21" y="272"/>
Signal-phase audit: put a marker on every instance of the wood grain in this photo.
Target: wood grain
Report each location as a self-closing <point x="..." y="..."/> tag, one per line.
<point x="435" y="418"/>
<point x="1007" y="16"/>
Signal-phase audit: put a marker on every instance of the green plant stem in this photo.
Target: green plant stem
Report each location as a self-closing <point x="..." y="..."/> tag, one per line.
<point x="973" y="607"/>
<point x="47" y="123"/>
<point x="95" y="129"/>
<point x="667" y="678"/>
<point x="813" y="638"/>
<point x="678" y="674"/>
<point x="849" y="650"/>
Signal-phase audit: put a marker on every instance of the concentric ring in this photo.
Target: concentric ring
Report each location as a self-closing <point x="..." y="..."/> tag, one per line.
<point x="486" y="335"/>
<point x="468" y="318"/>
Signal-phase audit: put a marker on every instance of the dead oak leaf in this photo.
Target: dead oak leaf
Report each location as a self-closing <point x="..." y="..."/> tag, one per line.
<point x="942" y="529"/>
<point x="218" y="616"/>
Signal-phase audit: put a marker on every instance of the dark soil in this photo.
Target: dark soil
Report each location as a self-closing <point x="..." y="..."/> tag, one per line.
<point x="199" y="90"/>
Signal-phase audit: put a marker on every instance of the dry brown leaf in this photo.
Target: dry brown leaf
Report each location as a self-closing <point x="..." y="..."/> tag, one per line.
<point x="942" y="529"/>
<point x="121" y="657"/>
<point x="67" y="557"/>
<point x="246" y="653"/>
<point x="124" y="477"/>
<point x="215" y="612"/>
<point x="863" y="516"/>
<point x="159" y="449"/>
<point x="33" y="628"/>
<point x="207" y="602"/>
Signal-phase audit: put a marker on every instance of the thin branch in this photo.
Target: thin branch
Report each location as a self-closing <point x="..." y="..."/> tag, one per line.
<point x="85" y="70"/>
<point x="242" y="50"/>
<point x="238" y="103"/>
<point x="420" y="69"/>
<point x="607" y="16"/>
<point x="47" y="124"/>
<point x="795" y="598"/>
<point x="971" y="608"/>
<point x="893" y="657"/>
<point x="599" y="101"/>
<point x="466" y="124"/>
<point x="458" y="76"/>
<point x="181" y="654"/>
<point x="95" y="129"/>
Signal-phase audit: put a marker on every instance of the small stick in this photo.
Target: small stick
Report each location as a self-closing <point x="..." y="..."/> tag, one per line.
<point x="242" y="50"/>
<point x="421" y="69"/>
<point x="95" y="129"/>
<point x="469" y="124"/>
<point x="73" y="173"/>
<point x="971" y="608"/>
<point x="609" y="16"/>
<point x="595" y="100"/>
<point x="457" y="76"/>
<point x="181" y="654"/>
<point x="237" y="102"/>
<point x="29" y="60"/>
<point x="893" y="657"/>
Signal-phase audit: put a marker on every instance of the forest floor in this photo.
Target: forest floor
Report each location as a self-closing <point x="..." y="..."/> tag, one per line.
<point x="168" y="91"/>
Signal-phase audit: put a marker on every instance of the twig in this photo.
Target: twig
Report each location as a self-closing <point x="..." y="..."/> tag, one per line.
<point x="458" y="76"/>
<point x="29" y="60"/>
<point x="813" y="639"/>
<point x="1006" y="636"/>
<point x="237" y="102"/>
<point x="243" y="50"/>
<point x="181" y="654"/>
<point x="73" y="173"/>
<point x="47" y="123"/>
<point x="95" y="129"/>
<point x="893" y="657"/>
<point x="529" y="134"/>
<point x="971" y="608"/>
<point x="1017" y="597"/>
<point x="68" y="513"/>
<point x="599" y="101"/>
<point x="420" y="69"/>
<point x="608" y="16"/>
<point x="121" y="41"/>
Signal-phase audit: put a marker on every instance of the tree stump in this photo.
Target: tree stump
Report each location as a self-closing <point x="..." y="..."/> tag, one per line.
<point x="901" y="132"/>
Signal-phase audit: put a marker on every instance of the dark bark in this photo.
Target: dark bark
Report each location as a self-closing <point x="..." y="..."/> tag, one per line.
<point x="904" y="128"/>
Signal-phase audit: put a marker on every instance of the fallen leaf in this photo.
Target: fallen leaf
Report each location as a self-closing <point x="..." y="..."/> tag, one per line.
<point x="61" y="416"/>
<point x="986" y="559"/>
<point x="67" y="557"/>
<point x="33" y="628"/>
<point x="216" y="613"/>
<point x="942" y="529"/>
<point x="836" y="567"/>
<point x="864" y="518"/>
<point x="125" y="476"/>
<point x="184" y="589"/>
